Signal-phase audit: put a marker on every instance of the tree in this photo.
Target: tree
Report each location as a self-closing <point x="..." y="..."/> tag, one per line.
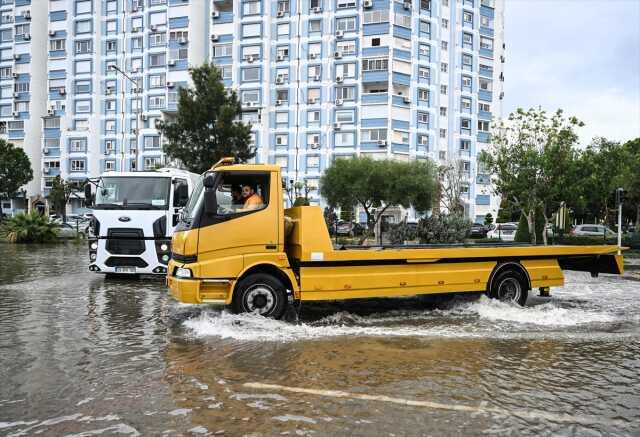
<point x="59" y="196"/>
<point x="376" y="185"/>
<point x="631" y="177"/>
<point x="15" y="170"/>
<point x="206" y="126"/>
<point x="29" y="228"/>
<point x="532" y="159"/>
<point x="488" y="219"/>
<point x="452" y="178"/>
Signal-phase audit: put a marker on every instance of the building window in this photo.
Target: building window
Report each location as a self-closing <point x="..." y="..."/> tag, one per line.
<point x="78" y="145"/>
<point x="313" y="71"/>
<point x="157" y="80"/>
<point x="483" y="125"/>
<point x="380" y="64"/>
<point x="347" y="24"/>
<point x="222" y="50"/>
<point x="57" y="45"/>
<point x="423" y="94"/>
<point x="484" y="107"/>
<point x="283" y="30"/>
<point x="313" y="162"/>
<point x="465" y="125"/>
<point x="152" y="163"/>
<point x="465" y="145"/>
<point x="345" y="92"/>
<point x="152" y="142"/>
<point x="346" y="48"/>
<point x="110" y="126"/>
<point x="83" y="47"/>
<point x="77" y="165"/>
<point x="82" y="106"/>
<point x="344" y="4"/>
<point x="402" y="20"/>
<point x="466" y="83"/>
<point x="423" y="140"/>
<point x="486" y="43"/>
<point x="51" y="123"/>
<point x="83" y="86"/>
<point x="445" y="23"/>
<point x="444" y="67"/>
<point x="347" y="117"/>
<point x="443" y="111"/>
<point x="443" y="89"/>
<point x="424" y="73"/>
<point x="375" y="17"/>
<point x="22" y="29"/>
<point x="157" y="39"/>
<point x="369" y="135"/>
<point x="84" y="26"/>
<point x="250" y="96"/>
<point x="111" y="46"/>
<point x="465" y="104"/>
<point x="157" y="59"/>
<point x="423" y="117"/>
<point x="156" y="102"/>
<point x="251" y="30"/>
<point x="21" y="87"/>
<point x="313" y="118"/>
<point x="467" y="62"/>
<point x="467" y="17"/>
<point x="347" y="70"/>
<point x="251" y="8"/>
<point x="485" y="84"/>
<point x="179" y="36"/>
<point x="444" y="45"/>
<point x="251" y="74"/>
<point x="344" y="139"/>
<point x="313" y="95"/>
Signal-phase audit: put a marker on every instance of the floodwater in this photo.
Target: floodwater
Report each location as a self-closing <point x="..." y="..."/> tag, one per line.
<point x="81" y="356"/>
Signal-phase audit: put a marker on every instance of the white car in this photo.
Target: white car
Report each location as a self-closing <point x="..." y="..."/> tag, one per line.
<point x="592" y="231"/>
<point x="503" y="231"/>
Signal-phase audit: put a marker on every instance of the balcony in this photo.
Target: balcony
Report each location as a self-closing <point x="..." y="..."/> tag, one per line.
<point x="402" y="101"/>
<point x="484" y="115"/>
<point x="487" y="53"/>
<point x="486" y="72"/>
<point x="375" y="76"/>
<point x="486" y="31"/>
<point x="375" y="98"/>
<point x="485" y="95"/>
<point x="484" y="137"/>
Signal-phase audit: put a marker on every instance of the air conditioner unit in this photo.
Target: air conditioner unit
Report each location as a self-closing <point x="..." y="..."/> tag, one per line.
<point x="52" y="33"/>
<point x="26" y="36"/>
<point x="153" y="27"/>
<point x="315" y="145"/>
<point x="144" y="117"/>
<point x="339" y="79"/>
<point x="16" y="94"/>
<point x="339" y="102"/>
<point x="313" y="100"/>
<point x="406" y="100"/>
<point x="14" y="75"/>
<point x="250" y="59"/>
<point x="134" y="8"/>
<point x="280" y="58"/>
<point x="215" y="14"/>
<point x="382" y="143"/>
<point x="26" y="15"/>
<point x="337" y="55"/>
<point x="313" y="55"/>
<point x="109" y="91"/>
<point x="135" y="29"/>
<point x="279" y="102"/>
<point x="46" y="150"/>
<point x="214" y="37"/>
<point x="367" y="3"/>
<point x="279" y="80"/>
<point x="170" y="85"/>
<point x="336" y="126"/>
<point x="316" y="77"/>
<point x="339" y="33"/>
<point x="45" y="170"/>
<point x="15" y="113"/>
<point x="62" y="91"/>
<point x="16" y="56"/>
<point x="183" y="41"/>
<point x="135" y="89"/>
<point x="317" y="9"/>
<point x="407" y="5"/>
<point x="280" y="14"/>
<point x="171" y="63"/>
<point x="249" y="104"/>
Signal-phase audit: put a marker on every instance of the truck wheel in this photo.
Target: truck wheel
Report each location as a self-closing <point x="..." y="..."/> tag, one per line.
<point x="509" y="286"/>
<point x="262" y="294"/>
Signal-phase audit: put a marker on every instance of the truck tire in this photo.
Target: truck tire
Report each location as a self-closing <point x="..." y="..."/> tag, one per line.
<point x="262" y="294"/>
<point x="509" y="286"/>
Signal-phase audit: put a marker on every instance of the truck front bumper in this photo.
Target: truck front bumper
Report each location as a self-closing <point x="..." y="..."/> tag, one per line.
<point x="199" y="291"/>
<point x="152" y="261"/>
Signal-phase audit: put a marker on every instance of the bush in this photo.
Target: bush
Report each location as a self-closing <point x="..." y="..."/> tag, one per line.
<point x="29" y="228"/>
<point x="522" y="234"/>
<point x="301" y="201"/>
<point x="452" y="228"/>
<point x="401" y="232"/>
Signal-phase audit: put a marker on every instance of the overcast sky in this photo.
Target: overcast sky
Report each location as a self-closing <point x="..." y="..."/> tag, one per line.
<point x="579" y="55"/>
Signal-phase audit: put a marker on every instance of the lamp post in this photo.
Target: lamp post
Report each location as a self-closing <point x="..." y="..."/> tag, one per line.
<point x="138" y="107"/>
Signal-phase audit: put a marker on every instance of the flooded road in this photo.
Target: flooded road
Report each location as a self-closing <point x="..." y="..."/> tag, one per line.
<point x="80" y="355"/>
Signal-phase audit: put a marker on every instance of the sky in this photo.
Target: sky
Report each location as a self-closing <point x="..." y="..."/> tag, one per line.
<point x="579" y="55"/>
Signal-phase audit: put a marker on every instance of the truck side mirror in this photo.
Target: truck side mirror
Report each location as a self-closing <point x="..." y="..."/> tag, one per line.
<point x="181" y="196"/>
<point x="210" y="206"/>
<point x="88" y="200"/>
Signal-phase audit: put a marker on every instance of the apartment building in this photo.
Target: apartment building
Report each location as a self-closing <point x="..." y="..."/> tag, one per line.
<point x="317" y="79"/>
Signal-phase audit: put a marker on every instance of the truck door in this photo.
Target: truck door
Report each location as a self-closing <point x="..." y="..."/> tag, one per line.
<point x="245" y="221"/>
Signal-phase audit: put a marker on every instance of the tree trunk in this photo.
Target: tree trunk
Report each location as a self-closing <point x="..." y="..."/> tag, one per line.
<point x="637" y="223"/>
<point x="532" y="225"/>
<point x="544" y="230"/>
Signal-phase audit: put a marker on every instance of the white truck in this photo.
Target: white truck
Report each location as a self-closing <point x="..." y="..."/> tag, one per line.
<point x="134" y="216"/>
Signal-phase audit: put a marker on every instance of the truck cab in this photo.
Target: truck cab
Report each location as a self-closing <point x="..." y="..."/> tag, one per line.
<point x="258" y="256"/>
<point x="134" y="216"/>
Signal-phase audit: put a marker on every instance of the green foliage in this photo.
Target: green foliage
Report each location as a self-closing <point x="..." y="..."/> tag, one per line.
<point x="206" y="128"/>
<point x="401" y="232"/>
<point x="29" y="228"/>
<point x="523" y="235"/>
<point x="301" y="201"/>
<point x="347" y="214"/>
<point x="533" y="158"/>
<point x="15" y="169"/>
<point x="488" y="219"/>
<point x="330" y="218"/>
<point x="59" y="196"/>
<point x="440" y="229"/>
<point x="376" y="185"/>
<point x="628" y="240"/>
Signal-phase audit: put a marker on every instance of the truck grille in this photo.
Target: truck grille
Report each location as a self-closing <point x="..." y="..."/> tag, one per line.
<point x="125" y="241"/>
<point x="122" y="261"/>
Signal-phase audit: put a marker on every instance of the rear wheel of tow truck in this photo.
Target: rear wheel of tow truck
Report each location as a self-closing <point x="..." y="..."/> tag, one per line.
<point x="261" y="294"/>
<point x="509" y="285"/>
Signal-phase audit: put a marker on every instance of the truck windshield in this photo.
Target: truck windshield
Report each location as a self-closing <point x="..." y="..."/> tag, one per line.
<point x="131" y="192"/>
<point x="191" y="206"/>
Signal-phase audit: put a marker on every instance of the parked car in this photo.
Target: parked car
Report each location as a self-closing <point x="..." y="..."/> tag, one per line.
<point x="68" y="230"/>
<point x="592" y="231"/>
<point x="504" y="231"/>
<point x="351" y="229"/>
<point x="478" y="231"/>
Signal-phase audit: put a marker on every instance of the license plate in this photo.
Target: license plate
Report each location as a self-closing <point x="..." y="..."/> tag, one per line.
<point x="125" y="269"/>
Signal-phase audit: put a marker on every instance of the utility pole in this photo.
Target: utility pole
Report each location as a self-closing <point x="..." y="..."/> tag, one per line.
<point x="620" y="200"/>
<point x="138" y="107"/>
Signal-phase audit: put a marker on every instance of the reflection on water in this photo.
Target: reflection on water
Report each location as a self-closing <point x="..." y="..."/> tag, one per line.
<point x="79" y="354"/>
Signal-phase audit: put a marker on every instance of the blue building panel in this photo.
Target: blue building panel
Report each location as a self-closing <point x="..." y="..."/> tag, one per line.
<point x="373" y="122"/>
<point x="485" y="95"/>
<point x="402" y="32"/>
<point x="375" y="76"/>
<point x="486" y="53"/>
<point x="400" y="148"/>
<point x="484" y="115"/>
<point x="178" y="22"/>
<point x="486" y="11"/>
<point x="484" y="137"/>
<point x="485" y="31"/>
<point x="376" y="98"/>
<point x="375" y="51"/>
<point x="22" y="2"/>
<point x="402" y="54"/>
<point x="375" y="29"/>
<point x="223" y="17"/>
<point x="400" y="124"/>
<point x="400" y="101"/>
<point x="483" y="199"/>
<point x="57" y="16"/>
<point x="401" y="78"/>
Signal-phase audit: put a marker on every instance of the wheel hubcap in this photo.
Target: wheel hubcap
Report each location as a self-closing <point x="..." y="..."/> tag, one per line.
<point x="510" y="290"/>
<point x="260" y="299"/>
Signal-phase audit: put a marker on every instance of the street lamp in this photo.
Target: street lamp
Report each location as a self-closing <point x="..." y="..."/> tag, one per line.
<point x="138" y="107"/>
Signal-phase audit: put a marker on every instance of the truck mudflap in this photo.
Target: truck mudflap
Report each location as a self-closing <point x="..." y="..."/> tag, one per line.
<point x="594" y="264"/>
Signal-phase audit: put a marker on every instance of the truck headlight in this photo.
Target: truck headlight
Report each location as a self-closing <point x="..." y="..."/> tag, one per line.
<point x="164" y="247"/>
<point x="183" y="273"/>
<point x="92" y="256"/>
<point x="94" y="245"/>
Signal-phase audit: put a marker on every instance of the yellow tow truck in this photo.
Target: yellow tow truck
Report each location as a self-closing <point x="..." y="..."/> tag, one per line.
<point x="261" y="258"/>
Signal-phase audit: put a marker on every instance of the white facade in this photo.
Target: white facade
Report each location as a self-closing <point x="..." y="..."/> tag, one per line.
<point x="317" y="79"/>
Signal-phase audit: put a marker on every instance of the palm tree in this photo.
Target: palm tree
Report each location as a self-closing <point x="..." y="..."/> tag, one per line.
<point x="29" y="228"/>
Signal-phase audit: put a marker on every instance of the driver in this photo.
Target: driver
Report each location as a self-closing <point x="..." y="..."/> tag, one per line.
<point x="252" y="200"/>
